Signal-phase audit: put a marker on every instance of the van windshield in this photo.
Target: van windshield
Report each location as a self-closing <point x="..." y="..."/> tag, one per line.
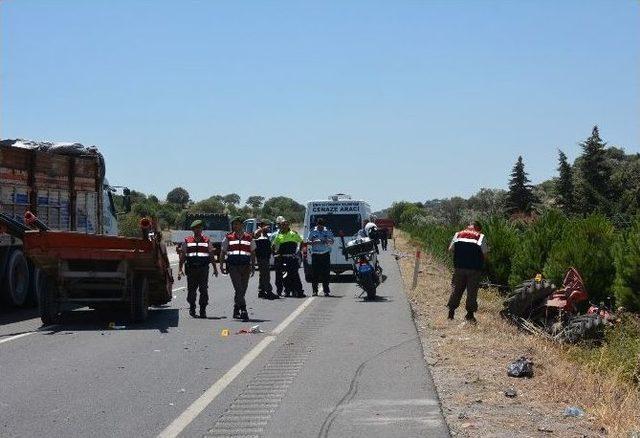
<point x="349" y="224"/>
<point x="218" y="223"/>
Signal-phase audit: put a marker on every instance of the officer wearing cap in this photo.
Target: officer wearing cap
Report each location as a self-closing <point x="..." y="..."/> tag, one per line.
<point x="196" y="253"/>
<point x="285" y="247"/>
<point x="278" y="266"/>
<point x="238" y="253"/>
<point x="263" y="256"/>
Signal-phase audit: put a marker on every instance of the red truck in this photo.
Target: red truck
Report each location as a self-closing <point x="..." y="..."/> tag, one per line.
<point x="388" y="224"/>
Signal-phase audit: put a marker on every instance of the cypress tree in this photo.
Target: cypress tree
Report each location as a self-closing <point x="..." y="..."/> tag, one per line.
<point x="564" y="184"/>
<point x="627" y="262"/>
<point x="520" y="197"/>
<point x="595" y="176"/>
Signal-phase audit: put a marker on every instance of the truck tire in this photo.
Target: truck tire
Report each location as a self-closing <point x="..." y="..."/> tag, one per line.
<point x="140" y="299"/>
<point x="37" y="284"/>
<point x="16" y="279"/>
<point x="48" y="303"/>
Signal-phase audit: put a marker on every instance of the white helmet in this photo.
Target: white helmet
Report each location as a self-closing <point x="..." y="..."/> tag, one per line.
<point x="280" y="219"/>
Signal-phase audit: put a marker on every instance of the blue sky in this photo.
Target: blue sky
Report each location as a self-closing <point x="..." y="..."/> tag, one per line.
<point x="384" y="100"/>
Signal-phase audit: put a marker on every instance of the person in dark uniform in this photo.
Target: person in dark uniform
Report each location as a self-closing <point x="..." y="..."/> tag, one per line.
<point x="469" y="248"/>
<point x="320" y="241"/>
<point x="285" y="247"/>
<point x="196" y="253"/>
<point x="383" y="233"/>
<point x="263" y="258"/>
<point x="279" y="273"/>
<point x="238" y="252"/>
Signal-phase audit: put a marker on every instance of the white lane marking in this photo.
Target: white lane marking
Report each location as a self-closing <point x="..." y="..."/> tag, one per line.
<point x="283" y="325"/>
<point x="22" y="335"/>
<point x="13" y="338"/>
<point x="178" y="289"/>
<point x="179" y="424"/>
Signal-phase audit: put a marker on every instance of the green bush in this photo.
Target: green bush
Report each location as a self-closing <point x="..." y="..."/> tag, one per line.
<point x="533" y="247"/>
<point x="586" y="244"/>
<point x="626" y="286"/>
<point x="502" y="238"/>
<point x="129" y="225"/>
<point x="436" y="239"/>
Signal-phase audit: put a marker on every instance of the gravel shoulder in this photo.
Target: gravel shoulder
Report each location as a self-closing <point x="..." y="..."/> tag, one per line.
<point x="468" y="364"/>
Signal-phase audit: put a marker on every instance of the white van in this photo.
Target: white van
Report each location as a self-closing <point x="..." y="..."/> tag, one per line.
<point x="342" y="215"/>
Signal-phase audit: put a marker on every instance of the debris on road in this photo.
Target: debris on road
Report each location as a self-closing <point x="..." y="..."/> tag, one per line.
<point x="573" y="411"/>
<point x="522" y="367"/>
<point x="511" y="393"/>
<point x="113" y="326"/>
<point x="224" y="333"/>
<point x="252" y="330"/>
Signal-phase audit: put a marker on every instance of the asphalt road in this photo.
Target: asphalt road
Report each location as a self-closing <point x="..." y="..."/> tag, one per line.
<point x="326" y="367"/>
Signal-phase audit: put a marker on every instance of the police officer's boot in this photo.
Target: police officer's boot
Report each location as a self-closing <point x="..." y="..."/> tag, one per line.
<point x="452" y="313"/>
<point x="244" y="315"/>
<point x="203" y="312"/>
<point x="192" y="310"/>
<point x="236" y="312"/>
<point x="470" y="318"/>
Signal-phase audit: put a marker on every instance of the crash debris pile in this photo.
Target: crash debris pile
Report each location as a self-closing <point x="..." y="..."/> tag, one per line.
<point x="562" y="314"/>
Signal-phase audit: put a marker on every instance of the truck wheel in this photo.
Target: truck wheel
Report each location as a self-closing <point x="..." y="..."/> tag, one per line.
<point x="38" y="284"/>
<point x="140" y="299"/>
<point x="48" y="303"/>
<point x="16" y="279"/>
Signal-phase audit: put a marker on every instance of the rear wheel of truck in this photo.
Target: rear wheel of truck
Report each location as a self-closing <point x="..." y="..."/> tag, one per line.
<point x="16" y="279"/>
<point x="48" y="303"/>
<point x="140" y="299"/>
<point x="37" y="285"/>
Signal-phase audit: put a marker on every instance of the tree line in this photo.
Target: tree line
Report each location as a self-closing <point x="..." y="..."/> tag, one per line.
<point x="171" y="212"/>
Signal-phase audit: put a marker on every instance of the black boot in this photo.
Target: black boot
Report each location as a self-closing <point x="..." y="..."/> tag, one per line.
<point x="203" y="312"/>
<point x="469" y="317"/>
<point x="452" y="313"/>
<point x="236" y="312"/>
<point x="262" y="295"/>
<point x="192" y="311"/>
<point x="272" y="296"/>
<point x="244" y="315"/>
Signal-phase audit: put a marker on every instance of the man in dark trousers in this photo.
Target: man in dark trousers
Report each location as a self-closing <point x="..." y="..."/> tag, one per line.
<point x="469" y="248"/>
<point x="238" y="251"/>
<point x="285" y="247"/>
<point x="196" y="252"/>
<point x="263" y="257"/>
<point x="279" y="273"/>
<point x="320" y="241"/>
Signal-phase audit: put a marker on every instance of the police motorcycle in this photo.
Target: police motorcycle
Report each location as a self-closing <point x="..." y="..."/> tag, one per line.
<point x="363" y="254"/>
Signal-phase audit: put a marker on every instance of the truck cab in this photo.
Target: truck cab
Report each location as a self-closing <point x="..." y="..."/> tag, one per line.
<point x="344" y="217"/>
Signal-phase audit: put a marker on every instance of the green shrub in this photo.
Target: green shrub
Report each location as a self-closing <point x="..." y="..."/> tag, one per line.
<point x="502" y="238"/>
<point x="532" y="250"/>
<point x="129" y="225"/>
<point x="626" y="286"/>
<point x="436" y="239"/>
<point x="586" y="244"/>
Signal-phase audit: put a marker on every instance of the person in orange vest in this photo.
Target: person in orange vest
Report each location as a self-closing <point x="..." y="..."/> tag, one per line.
<point x="469" y="248"/>
<point x="238" y="251"/>
<point x="196" y="253"/>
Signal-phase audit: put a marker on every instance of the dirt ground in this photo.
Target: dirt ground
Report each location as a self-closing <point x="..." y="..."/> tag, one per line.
<point x="469" y="362"/>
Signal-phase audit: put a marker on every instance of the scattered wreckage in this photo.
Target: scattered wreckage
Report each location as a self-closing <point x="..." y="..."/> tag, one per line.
<point x="562" y="314"/>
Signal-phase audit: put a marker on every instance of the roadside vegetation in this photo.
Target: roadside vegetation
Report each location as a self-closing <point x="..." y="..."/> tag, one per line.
<point x="588" y="217"/>
<point x="171" y="212"/>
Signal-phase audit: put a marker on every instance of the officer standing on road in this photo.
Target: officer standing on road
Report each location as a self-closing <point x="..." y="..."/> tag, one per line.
<point x="263" y="257"/>
<point x="197" y="252"/>
<point x="238" y="251"/>
<point x="320" y="239"/>
<point x="278" y="266"/>
<point x="285" y="248"/>
<point x="469" y="248"/>
<point x="383" y="233"/>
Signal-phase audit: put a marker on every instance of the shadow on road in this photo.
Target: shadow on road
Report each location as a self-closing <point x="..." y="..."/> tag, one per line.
<point x="12" y="315"/>
<point x="92" y="320"/>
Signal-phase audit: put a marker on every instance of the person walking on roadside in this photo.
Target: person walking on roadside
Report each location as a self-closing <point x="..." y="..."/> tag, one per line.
<point x="469" y="248"/>
<point x="196" y="253"/>
<point x="263" y="257"/>
<point x="238" y="252"/>
<point x="383" y="233"/>
<point x="320" y="241"/>
<point x="279" y="273"/>
<point x="285" y="248"/>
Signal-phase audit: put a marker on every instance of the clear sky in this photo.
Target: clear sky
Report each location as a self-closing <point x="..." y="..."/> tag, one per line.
<point x="385" y="100"/>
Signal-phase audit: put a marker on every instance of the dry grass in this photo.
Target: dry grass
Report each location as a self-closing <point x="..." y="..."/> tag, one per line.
<point x="469" y="368"/>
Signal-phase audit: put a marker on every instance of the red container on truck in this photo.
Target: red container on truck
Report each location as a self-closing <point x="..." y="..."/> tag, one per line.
<point x="386" y="223"/>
